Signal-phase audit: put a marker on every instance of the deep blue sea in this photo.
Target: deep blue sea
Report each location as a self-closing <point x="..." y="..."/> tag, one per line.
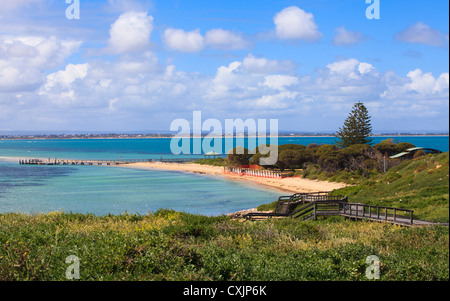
<point x="101" y="190"/>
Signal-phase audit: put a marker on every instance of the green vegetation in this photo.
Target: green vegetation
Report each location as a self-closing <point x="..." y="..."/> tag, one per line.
<point x="356" y="128"/>
<point x="168" y="245"/>
<point x="213" y="162"/>
<point x="238" y="156"/>
<point x="420" y="184"/>
<point x="359" y="159"/>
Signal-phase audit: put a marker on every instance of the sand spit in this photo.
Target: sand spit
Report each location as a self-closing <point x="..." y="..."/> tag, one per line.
<point x="290" y="185"/>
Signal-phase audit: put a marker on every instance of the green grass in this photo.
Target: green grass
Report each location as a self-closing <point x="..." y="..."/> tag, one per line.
<point x="421" y="184"/>
<point x="168" y="245"/>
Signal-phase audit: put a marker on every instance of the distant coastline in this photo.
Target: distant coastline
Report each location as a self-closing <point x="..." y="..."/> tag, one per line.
<point x="170" y="136"/>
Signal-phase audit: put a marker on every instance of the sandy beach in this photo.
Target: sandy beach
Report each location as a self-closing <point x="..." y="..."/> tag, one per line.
<point x="291" y="185"/>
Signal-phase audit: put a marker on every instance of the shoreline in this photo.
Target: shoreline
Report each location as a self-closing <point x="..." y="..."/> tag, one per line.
<point x="166" y="137"/>
<point x="284" y="185"/>
<point x="287" y="185"/>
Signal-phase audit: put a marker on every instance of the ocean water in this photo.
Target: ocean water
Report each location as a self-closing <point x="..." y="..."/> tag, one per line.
<point x="113" y="149"/>
<point x="109" y="189"/>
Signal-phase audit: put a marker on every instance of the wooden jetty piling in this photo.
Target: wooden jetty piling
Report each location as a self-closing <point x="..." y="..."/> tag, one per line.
<point x="100" y="162"/>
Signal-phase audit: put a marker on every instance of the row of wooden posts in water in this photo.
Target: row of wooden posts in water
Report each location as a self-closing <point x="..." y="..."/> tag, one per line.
<point x="98" y="162"/>
<point x="227" y="170"/>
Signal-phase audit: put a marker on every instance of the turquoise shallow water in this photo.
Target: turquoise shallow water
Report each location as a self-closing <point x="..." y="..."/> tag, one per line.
<point x="108" y="149"/>
<point x="102" y="190"/>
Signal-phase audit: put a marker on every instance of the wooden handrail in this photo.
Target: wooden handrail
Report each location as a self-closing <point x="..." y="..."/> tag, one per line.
<point x="346" y="209"/>
<point x="324" y="204"/>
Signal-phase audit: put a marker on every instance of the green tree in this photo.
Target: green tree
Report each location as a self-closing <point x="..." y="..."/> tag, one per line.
<point x="357" y="128"/>
<point x="238" y="156"/>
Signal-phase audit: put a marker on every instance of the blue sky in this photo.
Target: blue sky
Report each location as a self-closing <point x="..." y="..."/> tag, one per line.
<point x="138" y="65"/>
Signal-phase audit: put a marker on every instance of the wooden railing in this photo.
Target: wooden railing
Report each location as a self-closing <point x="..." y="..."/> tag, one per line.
<point x="311" y="210"/>
<point x="311" y="205"/>
<point x="379" y="213"/>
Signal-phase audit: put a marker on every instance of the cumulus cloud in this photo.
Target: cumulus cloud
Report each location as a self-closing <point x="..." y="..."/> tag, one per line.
<point x="350" y="68"/>
<point x="346" y="37"/>
<point x="293" y="23"/>
<point x="130" y="32"/>
<point x="194" y="41"/>
<point x="15" y="79"/>
<point x="279" y="81"/>
<point x="225" y="39"/>
<point x="65" y="78"/>
<point x="364" y="68"/>
<point x="24" y="60"/>
<point x="426" y="82"/>
<point x="180" y="40"/>
<point x="263" y="65"/>
<point x="138" y="86"/>
<point x="329" y="92"/>
<point x="253" y="83"/>
<point x="421" y="33"/>
<point x="278" y="101"/>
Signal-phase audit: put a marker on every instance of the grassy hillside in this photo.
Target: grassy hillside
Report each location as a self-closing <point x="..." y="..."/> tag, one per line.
<point x="168" y="245"/>
<point x="420" y="184"/>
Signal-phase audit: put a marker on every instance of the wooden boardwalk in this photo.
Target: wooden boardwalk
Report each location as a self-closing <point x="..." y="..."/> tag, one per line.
<point x="100" y="162"/>
<point x="309" y="206"/>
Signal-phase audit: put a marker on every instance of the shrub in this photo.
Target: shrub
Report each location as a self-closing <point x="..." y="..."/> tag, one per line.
<point x="238" y="156"/>
<point x="419" y="153"/>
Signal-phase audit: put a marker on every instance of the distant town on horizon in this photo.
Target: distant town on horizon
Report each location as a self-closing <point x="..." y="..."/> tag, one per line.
<point x="117" y="135"/>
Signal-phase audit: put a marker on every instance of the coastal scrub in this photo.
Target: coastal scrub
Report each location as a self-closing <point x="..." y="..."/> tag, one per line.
<point x="169" y="245"/>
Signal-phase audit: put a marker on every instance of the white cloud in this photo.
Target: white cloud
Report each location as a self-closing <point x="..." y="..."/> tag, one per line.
<point x="16" y="50"/>
<point x="345" y="68"/>
<point x="16" y="79"/>
<point x="426" y="82"/>
<point x="263" y="65"/>
<point x="183" y="41"/>
<point x="39" y="52"/>
<point x="279" y="82"/>
<point x="278" y="101"/>
<point x="227" y="75"/>
<point x="346" y="37"/>
<point x="364" y="68"/>
<point x="293" y="23"/>
<point x="64" y="78"/>
<point x="224" y="39"/>
<point x="194" y="41"/>
<point x="253" y="83"/>
<point x="24" y="60"/>
<point x="130" y="32"/>
<point x="350" y="68"/>
<point x="421" y="33"/>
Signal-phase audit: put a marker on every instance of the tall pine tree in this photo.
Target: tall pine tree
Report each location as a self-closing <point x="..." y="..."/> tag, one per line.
<point x="356" y="128"/>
